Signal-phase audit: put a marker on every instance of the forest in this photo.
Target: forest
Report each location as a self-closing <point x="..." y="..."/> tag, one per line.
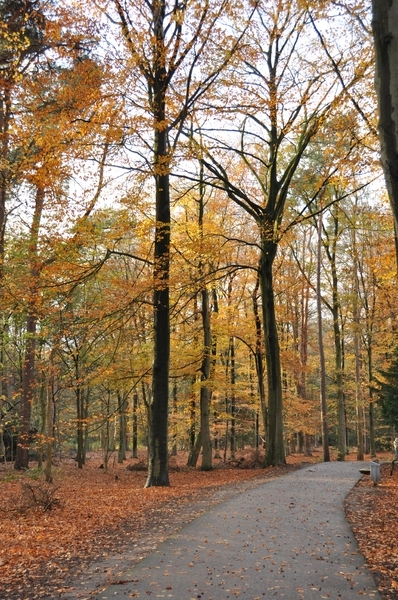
<point x="197" y="248"/>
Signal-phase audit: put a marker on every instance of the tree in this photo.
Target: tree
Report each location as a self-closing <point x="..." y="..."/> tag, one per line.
<point x="21" y="41"/>
<point x="385" y="27"/>
<point x="292" y="103"/>
<point x="177" y="55"/>
<point x="388" y="392"/>
<point x="322" y="366"/>
<point x="21" y="34"/>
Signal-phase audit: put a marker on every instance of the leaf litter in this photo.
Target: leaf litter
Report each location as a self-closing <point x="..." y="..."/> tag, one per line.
<point x="372" y="512"/>
<point x="104" y="522"/>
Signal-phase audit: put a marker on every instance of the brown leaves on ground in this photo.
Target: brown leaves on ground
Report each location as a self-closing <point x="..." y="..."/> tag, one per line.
<point x="98" y="514"/>
<point x="373" y="515"/>
<point x="101" y="514"/>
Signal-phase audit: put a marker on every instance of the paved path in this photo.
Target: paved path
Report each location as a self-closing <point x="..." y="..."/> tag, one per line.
<point x="286" y="539"/>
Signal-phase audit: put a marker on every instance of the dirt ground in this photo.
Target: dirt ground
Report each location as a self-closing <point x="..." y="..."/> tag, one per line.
<point x="51" y="536"/>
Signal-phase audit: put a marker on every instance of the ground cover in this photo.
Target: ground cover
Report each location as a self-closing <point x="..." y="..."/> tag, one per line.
<point x="372" y="512"/>
<point x="101" y="522"/>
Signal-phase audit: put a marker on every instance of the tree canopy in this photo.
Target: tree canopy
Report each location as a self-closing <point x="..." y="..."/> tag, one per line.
<point x="193" y="230"/>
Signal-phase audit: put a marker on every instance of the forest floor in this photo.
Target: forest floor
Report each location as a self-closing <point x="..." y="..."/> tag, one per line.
<point x="50" y="535"/>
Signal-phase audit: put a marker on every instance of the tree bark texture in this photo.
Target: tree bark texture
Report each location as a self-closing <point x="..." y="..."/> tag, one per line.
<point x="232" y="374"/>
<point x="135" y="426"/>
<point x="371" y="403"/>
<point x="358" y="354"/>
<point x="28" y="383"/>
<point x="275" y="454"/>
<point x="158" y="407"/>
<point x="205" y="392"/>
<point x="385" y="34"/>
<point x="28" y="372"/>
<point x="122" y="409"/>
<point x="50" y="420"/>
<point x="335" y="308"/>
<point x="322" y="363"/>
<point x="259" y="356"/>
<point x="5" y="117"/>
<point x="79" y="425"/>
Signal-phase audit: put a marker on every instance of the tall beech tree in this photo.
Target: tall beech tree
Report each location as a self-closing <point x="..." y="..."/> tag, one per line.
<point x="176" y="52"/>
<point x="330" y="243"/>
<point x="287" y="104"/>
<point x="385" y="28"/>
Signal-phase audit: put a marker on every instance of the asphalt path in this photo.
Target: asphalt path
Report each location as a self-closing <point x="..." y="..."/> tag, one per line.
<point x="287" y="538"/>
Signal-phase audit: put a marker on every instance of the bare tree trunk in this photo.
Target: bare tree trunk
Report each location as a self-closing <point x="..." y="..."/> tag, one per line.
<point x="192" y="416"/>
<point x="214" y="309"/>
<point x="135" y="426"/>
<point x="158" y="474"/>
<point x="275" y="454"/>
<point x="385" y="34"/>
<point x="259" y="355"/>
<point x="5" y="117"/>
<point x="122" y="408"/>
<point x="300" y="340"/>
<point x="337" y="334"/>
<point x="357" y="352"/>
<point x="50" y="422"/>
<point x="4" y="381"/>
<point x="195" y="451"/>
<point x="28" y="382"/>
<point x="371" y="404"/>
<point x="233" y="397"/>
<point x="175" y="392"/>
<point x="28" y="377"/>
<point x="79" y="425"/>
<point x="205" y="393"/>
<point x="322" y="367"/>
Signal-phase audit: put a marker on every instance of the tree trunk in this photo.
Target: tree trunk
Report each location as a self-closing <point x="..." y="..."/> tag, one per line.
<point x="50" y="422"/>
<point x="195" y="451"/>
<point x="338" y="345"/>
<point x="79" y="426"/>
<point x="259" y="356"/>
<point x="300" y="334"/>
<point x="371" y="404"/>
<point x="357" y="353"/>
<point x="212" y="370"/>
<point x="28" y="382"/>
<point x="322" y="367"/>
<point x="233" y="398"/>
<point x="192" y="416"/>
<point x="275" y="453"/>
<point x="385" y="34"/>
<point x="256" y="431"/>
<point x="122" y="408"/>
<point x="174" y="446"/>
<point x="28" y="376"/>
<point x="5" y="117"/>
<point x="205" y="392"/>
<point x="158" y="407"/>
<point x="5" y="393"/>
<point x="135" y="426"/>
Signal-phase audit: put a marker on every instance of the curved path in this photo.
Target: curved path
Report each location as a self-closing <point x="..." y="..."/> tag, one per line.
<point x="287" y="539"/>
